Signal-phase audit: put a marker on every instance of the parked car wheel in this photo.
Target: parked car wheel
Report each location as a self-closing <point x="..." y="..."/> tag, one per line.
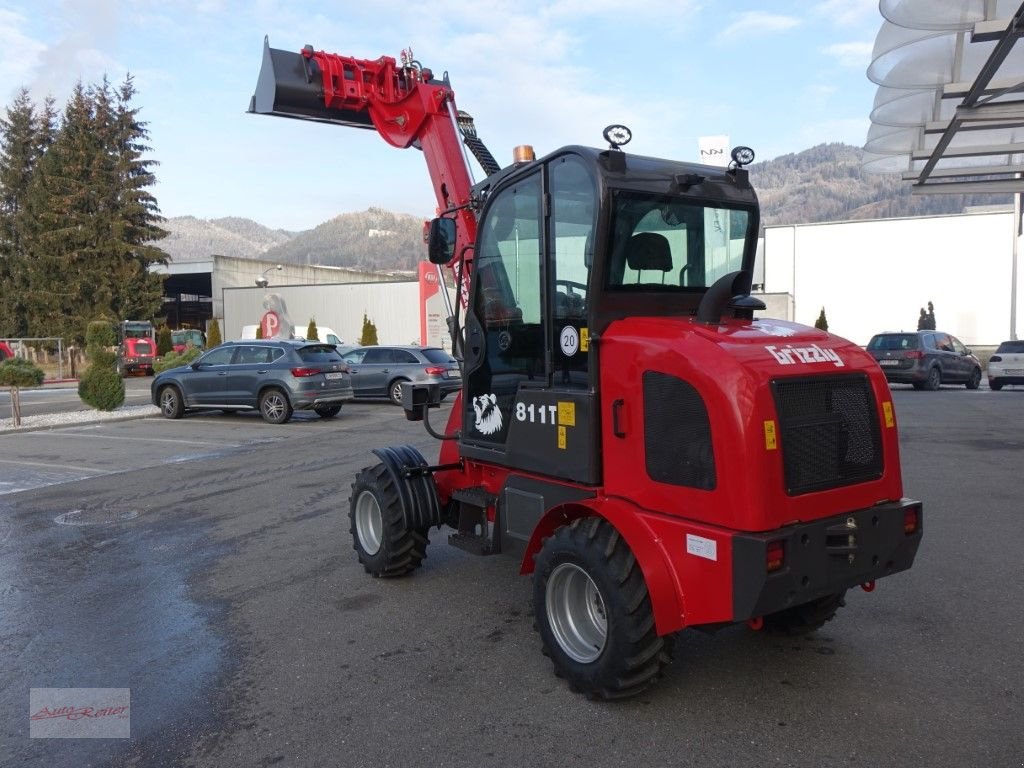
<point x="995" y="386"/>
<point x="934" y="380"/>
<point x="171" y="404"/>
<point x="395" y="391"/>
<point x="594" y="613"/>
<point x="274" y="406"/>
<point x="975" y="381"/>
<point x="327" y="411"/>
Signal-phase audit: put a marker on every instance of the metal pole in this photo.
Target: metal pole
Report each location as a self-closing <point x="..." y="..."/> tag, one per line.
<point x="1013" y="267"/>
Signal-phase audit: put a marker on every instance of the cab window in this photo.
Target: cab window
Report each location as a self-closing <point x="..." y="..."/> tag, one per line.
<point x="667" y="243"/>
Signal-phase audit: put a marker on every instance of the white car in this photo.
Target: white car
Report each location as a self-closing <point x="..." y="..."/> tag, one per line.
<point x="1006" y="366"/>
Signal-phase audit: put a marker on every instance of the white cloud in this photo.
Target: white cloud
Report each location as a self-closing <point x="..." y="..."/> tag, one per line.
<point x="757" y="24"/>
<point x="849" y="12"/>
<point x="852" y="55"/>
<point x="18" y="53"/>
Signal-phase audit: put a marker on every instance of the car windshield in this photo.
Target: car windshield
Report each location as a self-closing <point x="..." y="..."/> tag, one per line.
<point x="668" y="243"/>
<point x="321" y="353"/>
<point x="438" y="356"/>
<point x="1009" y="347"/>
<point x="891" y="342"/>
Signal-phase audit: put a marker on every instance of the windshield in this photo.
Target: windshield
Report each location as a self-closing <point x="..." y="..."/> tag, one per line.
<point x="1011" y="347"/>
<point x="667" y="243"/>
<point x="138" y="330"/>
<point x="893" y="342"/>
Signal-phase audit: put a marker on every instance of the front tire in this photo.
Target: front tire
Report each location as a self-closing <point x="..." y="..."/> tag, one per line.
<point x="806" y="618"/>
<point x="327" y="411"/>
<point x="275" y="407"/>
<point x="594" y="612"/>
<point x="975" y="381"/>
<point x="171" y="404"/>
<point x="386" y="548"/>
<point x="995" y="385"/>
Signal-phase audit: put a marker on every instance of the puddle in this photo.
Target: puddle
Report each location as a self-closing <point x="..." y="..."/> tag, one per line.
<point x="95" y="516"/>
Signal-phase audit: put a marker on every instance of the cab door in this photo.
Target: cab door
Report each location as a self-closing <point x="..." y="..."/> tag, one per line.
<point x="530" y="402"/>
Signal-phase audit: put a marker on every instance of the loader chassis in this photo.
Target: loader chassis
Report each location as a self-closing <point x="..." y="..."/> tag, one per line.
<point x="657" y="457"/>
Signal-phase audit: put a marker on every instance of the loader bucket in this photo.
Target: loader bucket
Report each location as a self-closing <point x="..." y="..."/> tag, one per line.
<point x="289" y="85"/>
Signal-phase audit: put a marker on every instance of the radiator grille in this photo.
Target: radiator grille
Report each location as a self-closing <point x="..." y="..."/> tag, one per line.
<point x="677" y="433"/>
<point x="829" y="431"/>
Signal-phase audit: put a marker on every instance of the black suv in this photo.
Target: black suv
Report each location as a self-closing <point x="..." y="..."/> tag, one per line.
<point x="926" y="359"/>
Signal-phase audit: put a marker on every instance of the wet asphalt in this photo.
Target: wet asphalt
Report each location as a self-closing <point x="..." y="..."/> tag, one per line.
<point x="214" y="577"/>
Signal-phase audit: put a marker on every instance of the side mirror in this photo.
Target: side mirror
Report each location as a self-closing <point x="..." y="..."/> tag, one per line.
<point x="441" y="241"/>
<point x="196" y="365"/>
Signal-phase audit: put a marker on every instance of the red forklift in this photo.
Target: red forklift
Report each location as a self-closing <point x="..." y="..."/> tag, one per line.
<point x="136" y="347"/>
<point x="655" y="456"/>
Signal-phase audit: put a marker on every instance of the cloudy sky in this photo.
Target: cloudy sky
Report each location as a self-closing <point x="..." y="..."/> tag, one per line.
<point x="777" y="75"/>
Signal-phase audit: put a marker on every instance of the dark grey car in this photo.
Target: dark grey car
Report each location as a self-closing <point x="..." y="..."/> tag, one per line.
<point x="926" y="359"/>
<point x="275" y="376"/>
<point x="379" y="371"/>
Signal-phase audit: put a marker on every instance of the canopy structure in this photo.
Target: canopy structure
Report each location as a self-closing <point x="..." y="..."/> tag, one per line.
<point x="949" y="111"/>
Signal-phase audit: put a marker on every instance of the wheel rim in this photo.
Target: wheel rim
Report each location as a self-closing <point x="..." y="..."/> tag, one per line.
<point x="396" y="392"/>
<point x="576" y="613"/>
<point x="369" y="523"/>
<point x="273" y="407"/>
<point x="168" y="402"/>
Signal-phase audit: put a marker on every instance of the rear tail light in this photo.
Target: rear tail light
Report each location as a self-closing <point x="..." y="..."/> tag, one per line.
<point x="995" y="359"/>
<point x="915" y="354"/>
<point x="775" y="556"/>
<point x="911" y="520"/>
<point x="302" y="372"/>
<point x="436" y="370"/>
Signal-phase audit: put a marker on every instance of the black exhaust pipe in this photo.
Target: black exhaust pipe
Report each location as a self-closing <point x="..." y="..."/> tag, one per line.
<point x="290" y="85"/>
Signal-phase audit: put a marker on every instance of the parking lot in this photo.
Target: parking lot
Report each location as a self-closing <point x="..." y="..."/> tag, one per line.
<point x="209" y="568"/>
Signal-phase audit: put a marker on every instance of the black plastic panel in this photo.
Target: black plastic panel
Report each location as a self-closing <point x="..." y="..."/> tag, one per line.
<point x="677" y="433"/>
<point x="829" y="432"/>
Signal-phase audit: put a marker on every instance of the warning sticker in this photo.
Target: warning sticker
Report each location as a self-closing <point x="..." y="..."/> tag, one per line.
<point x="701" y="547"/>
<point x="567" y="413"/>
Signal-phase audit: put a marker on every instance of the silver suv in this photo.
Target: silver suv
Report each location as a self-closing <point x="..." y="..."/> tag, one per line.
<point x="926" y="359"/>
<point x="276" y="376"/>
<point x="379" y="371"/>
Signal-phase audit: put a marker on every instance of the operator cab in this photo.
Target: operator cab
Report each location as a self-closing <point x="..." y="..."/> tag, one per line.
<point x="565" y="246"/>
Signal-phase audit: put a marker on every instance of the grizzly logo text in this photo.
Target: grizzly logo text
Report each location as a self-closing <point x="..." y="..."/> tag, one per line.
<point x="813" y="354"/>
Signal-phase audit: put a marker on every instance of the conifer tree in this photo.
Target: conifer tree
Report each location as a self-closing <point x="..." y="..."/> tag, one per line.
<point x="822" y="322"/>
<point x="213" y="337"/>
<point x="25" y="133"/>
<point x="368" y="338"/>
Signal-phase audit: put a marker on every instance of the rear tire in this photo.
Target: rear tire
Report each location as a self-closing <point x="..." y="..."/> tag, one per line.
<point x="995" y="385"/>
<point x="171" y="404"/>
<point x="806" y="618"/>
<point x="395" y="391"/>
<point x="386" y="548"/>
<point x="975" y="381"/>
<point x="934" y="380"/>
<point x="327" y="411"/>
<point x="275" y="407"/>
<point x="594" y="613"/>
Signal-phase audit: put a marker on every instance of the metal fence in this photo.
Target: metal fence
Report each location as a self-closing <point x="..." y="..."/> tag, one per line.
<point x="48" y="352"/>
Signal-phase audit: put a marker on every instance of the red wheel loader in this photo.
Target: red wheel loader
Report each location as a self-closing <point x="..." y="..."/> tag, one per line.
<point x="657" y="457"/>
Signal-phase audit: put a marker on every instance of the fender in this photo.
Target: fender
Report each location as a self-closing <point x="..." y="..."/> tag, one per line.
<point x="663" y="584"/>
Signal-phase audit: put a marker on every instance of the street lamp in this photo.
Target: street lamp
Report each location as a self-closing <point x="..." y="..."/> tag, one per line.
<point x="261" y="281"/>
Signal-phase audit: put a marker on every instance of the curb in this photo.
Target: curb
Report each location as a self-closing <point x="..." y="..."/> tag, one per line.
<point x="90" y="419"/>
